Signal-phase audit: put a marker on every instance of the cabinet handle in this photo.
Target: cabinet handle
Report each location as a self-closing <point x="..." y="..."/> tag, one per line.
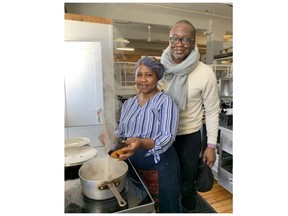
<point x="230" y="181"/>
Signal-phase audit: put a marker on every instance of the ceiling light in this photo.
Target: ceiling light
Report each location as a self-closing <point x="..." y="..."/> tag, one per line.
<point x="149" y="37"/>
<point x="121" y="40"/>
<point x="125" y="49"/>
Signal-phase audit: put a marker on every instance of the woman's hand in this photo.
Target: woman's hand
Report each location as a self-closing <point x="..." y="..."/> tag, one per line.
<point x="132" y="145"/>
<point x="104" y="138"/>
<point x="109" y="139"/>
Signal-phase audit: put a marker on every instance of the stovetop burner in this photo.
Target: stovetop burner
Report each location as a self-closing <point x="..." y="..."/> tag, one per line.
<point x="134" y="193"/>
<point x="108" y="205"/>
<point x="122" y="193"/>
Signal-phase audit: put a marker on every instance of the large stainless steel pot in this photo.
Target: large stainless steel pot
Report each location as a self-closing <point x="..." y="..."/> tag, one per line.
<point x="103" y="178"/>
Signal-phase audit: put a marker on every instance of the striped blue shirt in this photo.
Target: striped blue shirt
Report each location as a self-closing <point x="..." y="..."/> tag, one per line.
<point x="157" y="119"/>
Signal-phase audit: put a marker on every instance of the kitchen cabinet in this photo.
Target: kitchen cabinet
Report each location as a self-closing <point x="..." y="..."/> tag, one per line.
<point x="90" y="32"/>
<point x="83" y="84"/>
<point x="225" y="163"/>
<point x="223" y="166"/>
<point x="83" y="90"/>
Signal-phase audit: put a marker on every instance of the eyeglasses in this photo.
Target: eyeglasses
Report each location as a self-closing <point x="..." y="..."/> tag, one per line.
<point x="184" y="40"/>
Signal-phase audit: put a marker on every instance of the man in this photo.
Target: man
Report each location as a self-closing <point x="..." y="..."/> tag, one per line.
<point x="193" y="86"/>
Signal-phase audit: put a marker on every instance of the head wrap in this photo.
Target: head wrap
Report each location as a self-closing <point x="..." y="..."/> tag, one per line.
<point x="153" y="63"/>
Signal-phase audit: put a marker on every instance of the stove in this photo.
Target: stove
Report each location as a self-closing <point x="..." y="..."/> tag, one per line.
<point x="135" y="194"/>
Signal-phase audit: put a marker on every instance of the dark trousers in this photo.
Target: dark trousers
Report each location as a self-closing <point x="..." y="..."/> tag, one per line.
<point x="168" y="173"/>
<point x="188" y="148"/>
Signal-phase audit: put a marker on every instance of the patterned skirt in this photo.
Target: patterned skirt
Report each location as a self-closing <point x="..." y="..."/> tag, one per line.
<point x="151" y="180"/>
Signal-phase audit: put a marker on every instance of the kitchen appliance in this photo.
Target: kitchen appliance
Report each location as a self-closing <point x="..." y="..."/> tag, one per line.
<point x="135" y="194"/>
<point x="83" y="91"/>
<point x="226" y="114"/>
<point x="103" y="177"/>
<point x="225" y="169"/>
<point x="226" y="119"/>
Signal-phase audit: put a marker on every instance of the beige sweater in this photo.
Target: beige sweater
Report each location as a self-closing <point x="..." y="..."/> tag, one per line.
<point x="202" y="89"/>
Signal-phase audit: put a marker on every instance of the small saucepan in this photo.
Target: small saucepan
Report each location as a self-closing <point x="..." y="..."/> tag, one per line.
<point x="103" y="178"/>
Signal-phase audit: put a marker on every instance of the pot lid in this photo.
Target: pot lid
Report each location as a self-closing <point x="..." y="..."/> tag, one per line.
<point x="78" y="155"/>
<point x="76" y="141"/>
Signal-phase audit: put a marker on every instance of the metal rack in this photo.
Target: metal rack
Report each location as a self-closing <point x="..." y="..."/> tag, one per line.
<point x="222" y="70"/>
<point x="125" y="73"/>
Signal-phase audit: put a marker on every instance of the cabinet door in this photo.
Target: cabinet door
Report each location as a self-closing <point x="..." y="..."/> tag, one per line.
<point x="83" y="84"/>
<point x="225" y="179"/>
<point x="227" y="142"/>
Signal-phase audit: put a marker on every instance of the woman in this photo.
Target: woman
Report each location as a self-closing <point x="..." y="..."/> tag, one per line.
<point x="149" y="122"/>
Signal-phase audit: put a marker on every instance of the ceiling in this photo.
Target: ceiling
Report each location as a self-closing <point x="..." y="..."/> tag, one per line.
<point x="151" y="39"/>
<point x="221" y="10"/>
<point x="148" y="36"/>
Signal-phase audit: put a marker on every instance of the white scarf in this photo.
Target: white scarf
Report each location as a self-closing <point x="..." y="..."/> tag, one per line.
<point x="177" y="73"/>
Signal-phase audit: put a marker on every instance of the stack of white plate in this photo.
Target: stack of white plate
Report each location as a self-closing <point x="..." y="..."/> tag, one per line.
<point x="77" y="151"/>
<point x="76" y="141"/>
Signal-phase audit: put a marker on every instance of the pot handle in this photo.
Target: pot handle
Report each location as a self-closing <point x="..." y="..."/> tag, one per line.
<point x="116" y="193"/>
